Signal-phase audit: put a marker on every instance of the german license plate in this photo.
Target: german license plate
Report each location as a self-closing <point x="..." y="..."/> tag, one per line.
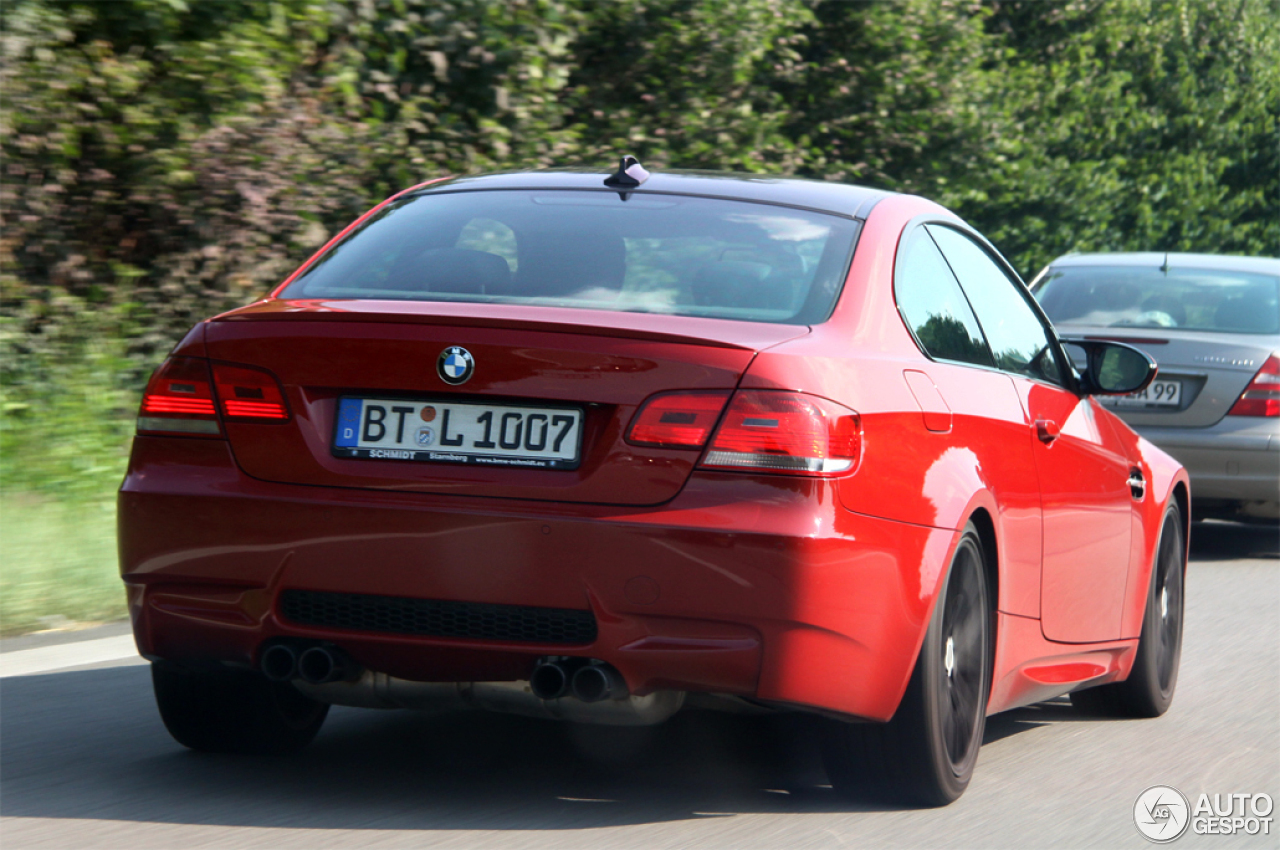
<point x="1157" y="394"/>
<point x="451" y="432"/>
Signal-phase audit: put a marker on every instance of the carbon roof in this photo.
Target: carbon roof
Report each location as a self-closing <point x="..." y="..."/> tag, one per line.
<point x="838" y="198"/>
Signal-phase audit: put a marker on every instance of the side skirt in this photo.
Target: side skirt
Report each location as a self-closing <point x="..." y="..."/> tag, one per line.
<point x="1030" y="669"/>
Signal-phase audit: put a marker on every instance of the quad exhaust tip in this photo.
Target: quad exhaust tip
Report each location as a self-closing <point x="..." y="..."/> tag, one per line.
<point x="549" y="680"/>
<point x="586" y="680"/>
<point x="322" y="664"/>
<point x="316" y="664"/>
<point x="597" y="682"/>
<point x="279" y="662"/>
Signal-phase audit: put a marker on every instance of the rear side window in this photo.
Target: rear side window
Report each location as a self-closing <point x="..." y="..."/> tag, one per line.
<point x="672" y="254"/>
<point x="1019" y="340"/>
<point x="1135" y="297"/>
<point x="933" y="306"/>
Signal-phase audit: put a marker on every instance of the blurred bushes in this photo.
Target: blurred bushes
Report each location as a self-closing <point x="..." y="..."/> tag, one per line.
<point x="66" y="401"/>
<point x="168" y="159"/>
<point x="1133" y="126"/>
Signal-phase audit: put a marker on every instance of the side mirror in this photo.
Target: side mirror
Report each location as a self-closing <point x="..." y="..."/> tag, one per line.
<point x="1110" y="368"/>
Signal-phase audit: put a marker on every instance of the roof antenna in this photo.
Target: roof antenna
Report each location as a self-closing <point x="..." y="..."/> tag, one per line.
<point x="1165" y="268"/>
<point x="630" y="174"/>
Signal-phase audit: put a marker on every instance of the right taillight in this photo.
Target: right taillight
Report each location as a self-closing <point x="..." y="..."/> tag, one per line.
<point x="179" y="400"/>
<point x="247" y="392"/>
<point x="1262" y="396"/>
<point x="786" y="432"/>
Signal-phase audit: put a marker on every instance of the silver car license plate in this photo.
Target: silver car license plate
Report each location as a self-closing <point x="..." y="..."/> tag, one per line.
<point x="1157" y="394"/>
<point x="443" y="431"/>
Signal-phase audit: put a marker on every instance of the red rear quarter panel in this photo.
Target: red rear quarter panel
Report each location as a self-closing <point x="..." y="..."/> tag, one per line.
<point x="908" y="472"/>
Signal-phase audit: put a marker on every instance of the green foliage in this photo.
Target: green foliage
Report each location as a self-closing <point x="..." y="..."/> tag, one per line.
<point x="207" y="147"/>
<point x="59" y="564"/>
<point x="1135" y="125"/>
<point x="66" y="403"/>
<point x="894" y="94"/>
<point x="457" y="86"/>
<point x="689" y="83"/>
<point x="115" y="122"/>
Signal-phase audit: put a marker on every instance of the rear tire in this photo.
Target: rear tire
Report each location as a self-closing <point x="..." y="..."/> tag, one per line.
<point x="1148" y="691"/>
<point x="229" y="711"/>
<point x="925" y="755"/>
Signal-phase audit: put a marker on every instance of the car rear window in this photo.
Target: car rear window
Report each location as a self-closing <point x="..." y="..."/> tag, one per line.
<point x="682" y="255"/>
<point x="1191" y="299"/>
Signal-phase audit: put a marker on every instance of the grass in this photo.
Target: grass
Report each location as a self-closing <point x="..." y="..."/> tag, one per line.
<point x="68" y="395"/>
<point x="57" y="563"/>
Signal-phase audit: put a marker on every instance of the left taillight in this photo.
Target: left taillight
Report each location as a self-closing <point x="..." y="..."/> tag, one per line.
<point x="186" y="394"/>
<point x="179" y="400"/>
<point x="786" y="432"/>
<point x="1262" y="396"/>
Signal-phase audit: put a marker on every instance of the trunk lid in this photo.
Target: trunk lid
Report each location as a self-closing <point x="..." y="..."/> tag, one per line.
<point x="1212" y="369"/>
<point x="604" y="363"/>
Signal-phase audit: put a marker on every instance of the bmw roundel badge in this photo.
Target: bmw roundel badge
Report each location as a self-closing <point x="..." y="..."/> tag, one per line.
<point x="455" y="365"/>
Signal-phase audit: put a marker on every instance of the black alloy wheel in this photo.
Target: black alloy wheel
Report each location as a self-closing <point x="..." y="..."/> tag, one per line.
<point x="962" y="678"/>
<point x="926" y="754"/>
<point x="1148" y="692"/>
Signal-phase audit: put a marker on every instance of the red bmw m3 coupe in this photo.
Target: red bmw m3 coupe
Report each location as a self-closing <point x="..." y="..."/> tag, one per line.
<point x="597" y="446"/>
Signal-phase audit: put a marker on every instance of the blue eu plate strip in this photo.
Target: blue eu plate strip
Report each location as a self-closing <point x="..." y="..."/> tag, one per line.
<point x="349" y="410"/>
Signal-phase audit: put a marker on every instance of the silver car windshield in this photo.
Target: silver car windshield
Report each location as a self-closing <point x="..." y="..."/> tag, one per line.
<point x="682" y="255"/>
<point x="1190" y="299"/>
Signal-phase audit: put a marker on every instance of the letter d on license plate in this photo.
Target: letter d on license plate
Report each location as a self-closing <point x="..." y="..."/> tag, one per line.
<point x="443" y="431"/>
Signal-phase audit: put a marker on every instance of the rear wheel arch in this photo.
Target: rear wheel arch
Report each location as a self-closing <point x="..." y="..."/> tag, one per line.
<point x="980" y="519"/>
<point x="1179" y="495"/>
<point x="1182" y="496"/>
<point x="925" y="754"/>
<point x="986" y="529"/>
<point x="978" y="515"/>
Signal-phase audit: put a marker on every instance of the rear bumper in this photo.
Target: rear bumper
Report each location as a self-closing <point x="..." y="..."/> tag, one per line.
<point x="1237" y="459"/>
<point x="758" y="588"/>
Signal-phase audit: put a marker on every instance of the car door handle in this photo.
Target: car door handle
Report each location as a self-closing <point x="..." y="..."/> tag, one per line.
<point x="1137" y="485"/>
<point x="1046" y="430"/>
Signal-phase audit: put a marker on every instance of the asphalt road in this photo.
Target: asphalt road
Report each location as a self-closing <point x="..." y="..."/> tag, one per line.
<point x="85" y="762"/>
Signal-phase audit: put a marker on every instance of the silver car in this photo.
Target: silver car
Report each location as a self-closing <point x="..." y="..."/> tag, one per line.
<point x="1212" y="323"/>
